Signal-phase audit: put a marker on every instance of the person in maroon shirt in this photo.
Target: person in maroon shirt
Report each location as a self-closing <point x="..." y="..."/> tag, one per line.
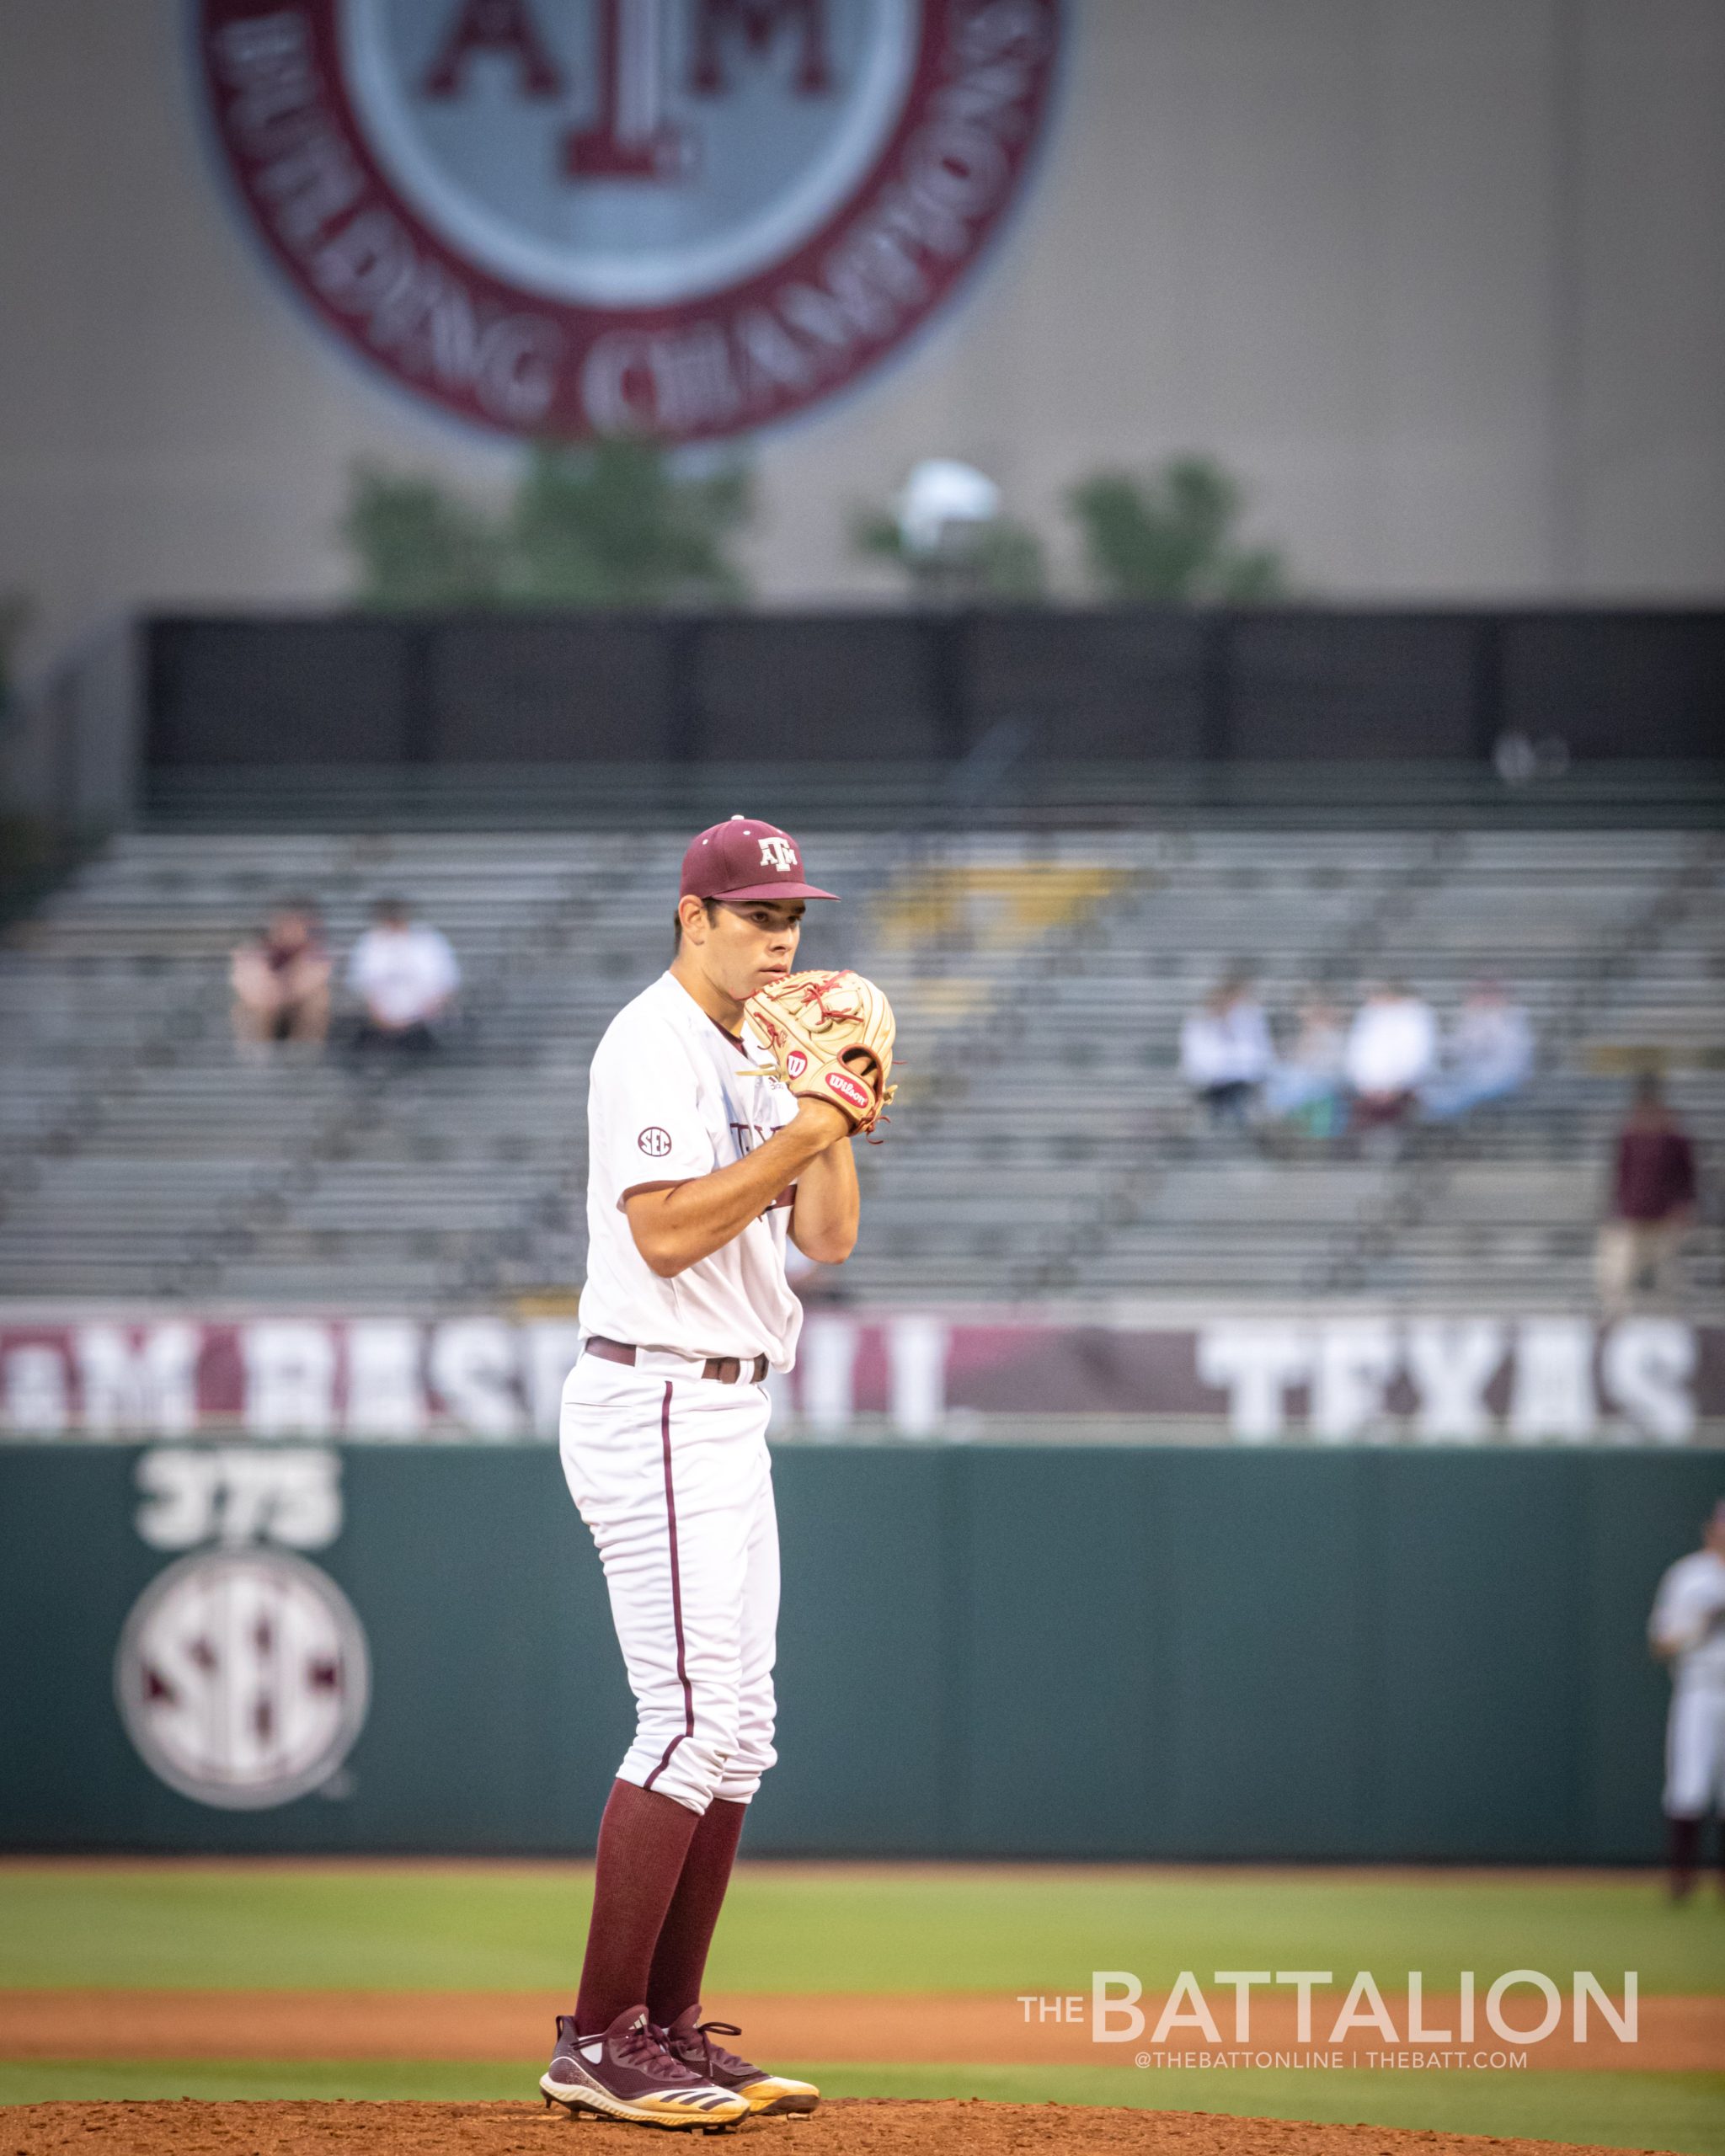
<point x="281" y="983"/>
<point x="1653" y="1202"/>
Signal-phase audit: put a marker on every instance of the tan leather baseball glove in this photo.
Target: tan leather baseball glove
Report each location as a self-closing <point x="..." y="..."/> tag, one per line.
<point x="831" y="1038"/>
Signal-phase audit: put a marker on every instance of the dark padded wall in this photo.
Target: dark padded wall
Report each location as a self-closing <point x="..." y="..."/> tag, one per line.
<point x="278" y="693"/>
<point x="1123" y="684"/>
<point x="568" y="691"/>
<point x="1356" y="687"/>
<point x="1352" y="1654"/>
<point x="768" y="688"/>
<point x="1274" y="685"/>
<point x="1620" y="685"/>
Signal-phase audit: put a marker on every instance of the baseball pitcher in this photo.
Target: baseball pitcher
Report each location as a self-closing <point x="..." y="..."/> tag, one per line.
<point x="721" y="1105"/>
<point x="1687" y="1630"/>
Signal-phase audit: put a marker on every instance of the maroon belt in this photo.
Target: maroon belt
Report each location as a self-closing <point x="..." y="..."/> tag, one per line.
<point x="723" y="1369"/>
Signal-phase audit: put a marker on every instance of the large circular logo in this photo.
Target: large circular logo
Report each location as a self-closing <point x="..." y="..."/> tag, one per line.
<point x="243" y="1677"/>
<point x="577" y="218"/>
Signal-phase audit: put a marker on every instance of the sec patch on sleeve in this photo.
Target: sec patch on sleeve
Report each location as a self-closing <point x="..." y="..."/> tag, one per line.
<point x="655" y="1142"/>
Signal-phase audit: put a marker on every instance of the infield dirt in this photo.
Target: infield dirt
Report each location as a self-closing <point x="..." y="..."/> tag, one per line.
<point x="1672" y="2034"/>
<point x="846" y="2127"/>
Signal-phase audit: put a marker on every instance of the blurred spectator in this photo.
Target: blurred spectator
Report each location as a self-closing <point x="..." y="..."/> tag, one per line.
<point x="1487" y="1054"/>
<point x="1306" y="1084"/>
<point x="1653" y="1202"/>
<point x="404" y="973"/>
<point x="1392" y="1047"/>
<point x="280" y="980"/>
<point x="1226" y="1053"/>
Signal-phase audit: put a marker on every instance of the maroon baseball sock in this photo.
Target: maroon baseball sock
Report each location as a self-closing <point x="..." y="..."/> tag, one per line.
<point x="644" y="1839"/>
<point x="679" y="1958"/>
<point x="1684" y="1852"/>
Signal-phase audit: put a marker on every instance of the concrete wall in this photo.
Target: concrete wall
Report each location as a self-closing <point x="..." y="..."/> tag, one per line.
<point x="1444" y="283"/>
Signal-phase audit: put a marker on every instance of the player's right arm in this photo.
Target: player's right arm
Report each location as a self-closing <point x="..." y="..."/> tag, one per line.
<point x="675" y="1226"/>
<point x="1665" y="1638"/>
<point x="1686" y="1610"/>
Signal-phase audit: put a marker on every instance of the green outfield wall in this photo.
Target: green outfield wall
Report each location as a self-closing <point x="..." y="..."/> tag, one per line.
<point x="1340" y="1653"/>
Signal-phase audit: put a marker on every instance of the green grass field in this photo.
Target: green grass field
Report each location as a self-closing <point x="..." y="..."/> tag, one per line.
<point x="888" y="1928"/>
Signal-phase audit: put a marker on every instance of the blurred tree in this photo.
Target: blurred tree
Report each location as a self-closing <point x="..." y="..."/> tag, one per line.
<point x="611" y="525"/>
<point x="1170" y="538"/>
<point x="417" y="544"/>
<point x="614" y="527"/>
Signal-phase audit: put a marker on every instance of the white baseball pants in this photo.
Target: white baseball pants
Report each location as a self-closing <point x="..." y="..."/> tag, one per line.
<point x="1695" y="1753"/>
<point x="672" y="1477"/>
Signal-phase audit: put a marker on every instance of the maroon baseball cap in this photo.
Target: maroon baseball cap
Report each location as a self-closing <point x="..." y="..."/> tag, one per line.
<point x="744" y="858"/>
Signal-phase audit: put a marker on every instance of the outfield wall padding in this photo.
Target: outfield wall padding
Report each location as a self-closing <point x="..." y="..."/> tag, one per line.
<point x="1342" y="1653"/>
<point x="1214" y="685"/>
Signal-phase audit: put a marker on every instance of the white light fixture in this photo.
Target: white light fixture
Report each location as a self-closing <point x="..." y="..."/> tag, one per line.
<point x="942" y="502"/>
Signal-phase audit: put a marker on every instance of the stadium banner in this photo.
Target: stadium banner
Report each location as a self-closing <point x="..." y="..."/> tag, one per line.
<point x="946" y="1375"/>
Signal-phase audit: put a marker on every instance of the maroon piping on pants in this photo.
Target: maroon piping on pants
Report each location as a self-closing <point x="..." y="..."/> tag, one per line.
<point x="677" y="1598"/>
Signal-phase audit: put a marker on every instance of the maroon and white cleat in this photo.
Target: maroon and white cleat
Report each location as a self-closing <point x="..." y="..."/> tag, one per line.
<point x="629" y="2073"/>
<point x="768" y="2095"/>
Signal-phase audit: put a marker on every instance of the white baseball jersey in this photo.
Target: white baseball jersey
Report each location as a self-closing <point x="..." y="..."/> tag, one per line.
<point x="1689" y="1620"/>
<point x="671" y="1099"/>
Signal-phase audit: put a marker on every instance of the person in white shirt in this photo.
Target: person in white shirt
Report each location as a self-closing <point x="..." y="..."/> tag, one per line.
<point x="404" y="974"/>
<point x="1393" y="1045"/>
<point x="1687" y="1631"/>
<point x="1487" y="1055"/>
<point x="1306" y="1084"/>
<point x="1225" y="1050"/>
<point x="702" y="1167"/>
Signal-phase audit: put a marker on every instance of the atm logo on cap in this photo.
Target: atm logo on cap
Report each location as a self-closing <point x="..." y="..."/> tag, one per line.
<point x="778" y="854"/>
<point x="577" y="218"/>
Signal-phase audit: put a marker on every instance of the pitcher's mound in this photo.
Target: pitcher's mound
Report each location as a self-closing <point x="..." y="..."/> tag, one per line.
<point x="847" y="2126"/>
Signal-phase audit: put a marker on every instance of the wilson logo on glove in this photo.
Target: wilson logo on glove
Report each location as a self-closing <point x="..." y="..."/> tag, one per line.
<point x="850" y="1091"/>
<point x="796" y="1062"/>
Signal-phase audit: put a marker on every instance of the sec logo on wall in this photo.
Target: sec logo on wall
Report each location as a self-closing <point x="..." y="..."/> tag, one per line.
<point x="686" y="218"/>
<point x="243" y="1677"/>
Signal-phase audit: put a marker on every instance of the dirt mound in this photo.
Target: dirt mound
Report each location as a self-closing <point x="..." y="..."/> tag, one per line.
<point x="853" y="2127"/>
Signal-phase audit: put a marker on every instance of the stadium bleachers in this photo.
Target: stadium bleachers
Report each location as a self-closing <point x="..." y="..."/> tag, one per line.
<point x="1042" y="1145"/>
